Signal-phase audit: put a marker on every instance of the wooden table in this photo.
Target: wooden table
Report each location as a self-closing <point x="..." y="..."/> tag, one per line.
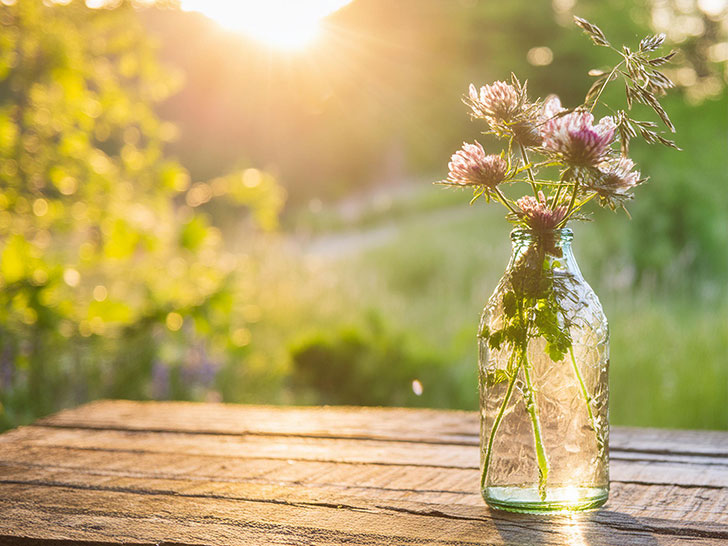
<point x="180" y="473"/>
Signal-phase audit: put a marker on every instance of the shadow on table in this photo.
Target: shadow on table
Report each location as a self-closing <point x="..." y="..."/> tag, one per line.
<point x="603" y="527"/>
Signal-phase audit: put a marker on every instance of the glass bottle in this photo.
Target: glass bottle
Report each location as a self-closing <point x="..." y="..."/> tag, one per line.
<point x="543" y="374"/>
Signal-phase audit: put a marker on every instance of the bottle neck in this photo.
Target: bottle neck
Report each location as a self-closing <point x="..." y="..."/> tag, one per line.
<point x="554" y="246"/>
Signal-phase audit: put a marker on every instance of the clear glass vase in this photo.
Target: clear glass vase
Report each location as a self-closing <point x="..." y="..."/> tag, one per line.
<point x="543" y="374"/>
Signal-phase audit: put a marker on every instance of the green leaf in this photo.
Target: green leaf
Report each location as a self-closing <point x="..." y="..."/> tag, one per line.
<point x="174" y="177"/>
<point x="516" y="334"/>
<point x="111" y="311"/>
<point x="15" y="256"/>
<point x="509" y="304"/>
<point x="484" y="331"/>
<point x="554" y="352"/>
<point x="194" y="233"/>
<point x="8" y="133"/>
<point x="122" y="241"/>
<point x="495" y="377"/>
<point x="496" y="339"/>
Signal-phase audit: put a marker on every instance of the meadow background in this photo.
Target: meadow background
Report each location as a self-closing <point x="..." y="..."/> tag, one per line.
<point x="186" y="213"/>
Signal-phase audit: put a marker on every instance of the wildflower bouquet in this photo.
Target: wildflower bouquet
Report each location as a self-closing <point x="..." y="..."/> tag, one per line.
<point x="564" y="138"/>
<point x="543" y="333"/>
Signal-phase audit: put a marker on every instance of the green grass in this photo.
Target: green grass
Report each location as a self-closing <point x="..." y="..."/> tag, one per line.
<point x="668" y="348"/>
<point x="668" y="363"/>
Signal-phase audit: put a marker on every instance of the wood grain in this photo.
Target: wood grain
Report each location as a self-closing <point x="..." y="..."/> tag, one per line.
<point x="680" y="470"/>
<point x="140" y="516"/>
<point x="666" y="503"/>
<point x="146" y="473"/>
<point x="423" y="425"/>
<point x="394" y="424"/>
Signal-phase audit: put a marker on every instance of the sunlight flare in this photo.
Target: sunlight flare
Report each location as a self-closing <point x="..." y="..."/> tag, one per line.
<point x="281" y="24"/>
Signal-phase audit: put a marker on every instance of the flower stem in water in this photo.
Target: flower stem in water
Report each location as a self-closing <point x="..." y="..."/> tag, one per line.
<point x="532" y="408"/>
<point x="496" y="424"/>
<point x="587" y="399"/>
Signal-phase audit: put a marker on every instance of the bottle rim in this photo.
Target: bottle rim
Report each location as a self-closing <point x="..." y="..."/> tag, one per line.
<point x="562" y="235"/>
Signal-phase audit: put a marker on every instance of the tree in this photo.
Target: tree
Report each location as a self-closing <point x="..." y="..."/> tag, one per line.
<point x="110" y="270"/>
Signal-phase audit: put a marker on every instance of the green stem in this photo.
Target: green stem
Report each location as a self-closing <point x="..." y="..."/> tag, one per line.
<point x="587" y="399"/>
<point x="532" y="409"/>
<point x="538" y="181"/>
<point x="495" y="426"/>
<point x="570" y="210"/>
<point x="576" y="208"/>
<point x="556" y="198"/>
<point x="504" y="200"/>
<point x="529" y="170"/>
<point x="573" y="197"/>
<point x="609" y="78"/>
<point x="562" y="182"/>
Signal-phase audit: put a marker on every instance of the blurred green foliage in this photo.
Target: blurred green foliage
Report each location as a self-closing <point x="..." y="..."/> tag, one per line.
<point x="110" y="269"/>
<point x="347" y="366"/>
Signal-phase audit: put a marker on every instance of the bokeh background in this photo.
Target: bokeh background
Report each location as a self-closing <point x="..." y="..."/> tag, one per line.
<point x="237" y="205"/>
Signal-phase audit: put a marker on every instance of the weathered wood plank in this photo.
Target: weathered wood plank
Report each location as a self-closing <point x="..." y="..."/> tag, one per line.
<point x="663" y="504"/>
<point x="442" y="485"/>
<point x="448" y="485"/>
<point x="114" y="472"/>
<point x="115" y="518"/>
<point x="433" y="457"/>
<point x="668" y="441"/>
<point x="340" y="422"/>
<point x="439" y="426"/>
<point x="146" y="518"/>
<point x="251" y="446"/>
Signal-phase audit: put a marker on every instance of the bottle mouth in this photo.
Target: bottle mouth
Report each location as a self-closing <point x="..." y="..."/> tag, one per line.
<point x="562" y="235"/>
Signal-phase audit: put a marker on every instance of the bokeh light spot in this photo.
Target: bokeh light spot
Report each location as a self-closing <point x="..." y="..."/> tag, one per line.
<point x="540" y="56"/>
<point x="40" y="207"/>
<point x="417" y="387"/>
<point x="174" y="321"/>
<point x="251" y="178"/>
<point x="100" y="292"/>
<point x="71" y="277"/>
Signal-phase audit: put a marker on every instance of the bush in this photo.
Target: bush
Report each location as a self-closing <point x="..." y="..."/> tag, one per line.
<point x="369" y="365"/>
<point x="111" y="273"/>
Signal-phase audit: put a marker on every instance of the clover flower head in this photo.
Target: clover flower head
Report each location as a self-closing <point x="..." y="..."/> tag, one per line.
<point x="526" y="132"/>
<point x="551" y="107"/>
<point x="471" y="166"/>
<point x="499" y="101"/>
<point x="574" y="137"/>
<point x="613" y="180"/>
<point x="537" y="214"/>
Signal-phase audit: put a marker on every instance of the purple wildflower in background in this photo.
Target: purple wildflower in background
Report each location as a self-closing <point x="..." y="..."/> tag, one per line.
<point x="160" y="381"/>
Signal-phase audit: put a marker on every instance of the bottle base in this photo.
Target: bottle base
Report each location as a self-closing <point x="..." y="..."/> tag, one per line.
<point x="558" y="499"/>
